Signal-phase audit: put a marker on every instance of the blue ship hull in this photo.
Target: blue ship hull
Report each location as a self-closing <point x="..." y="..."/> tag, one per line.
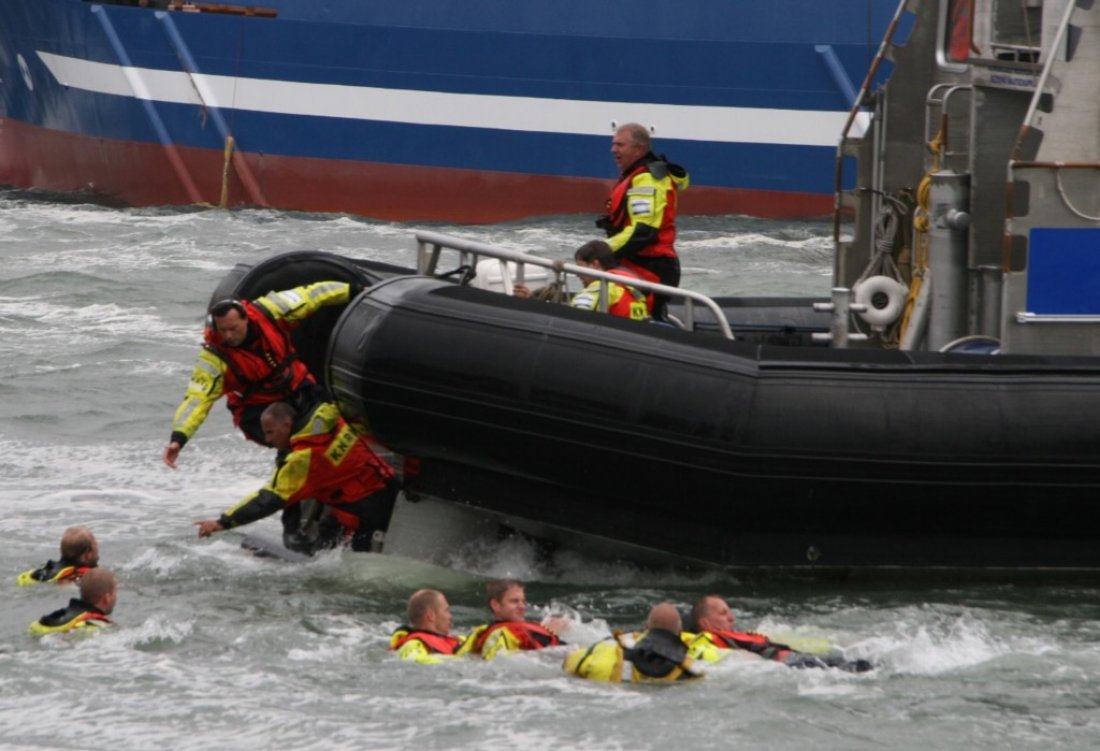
<point x="430" y="109"/>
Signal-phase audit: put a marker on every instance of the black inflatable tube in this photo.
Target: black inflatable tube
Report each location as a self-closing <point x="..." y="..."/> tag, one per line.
<point x="724" y="451"/>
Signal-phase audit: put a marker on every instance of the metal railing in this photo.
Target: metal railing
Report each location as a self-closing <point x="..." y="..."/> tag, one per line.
<point x="430" y="246"/>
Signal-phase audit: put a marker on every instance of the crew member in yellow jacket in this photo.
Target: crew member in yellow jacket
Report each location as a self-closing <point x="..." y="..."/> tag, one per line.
<point x="427" y="637"/>
<point x="656" y="654"/>
<point x="510" y="630"/>
<point x="98" y="596"/>
<point x="248" y="356"/>
<point x="79" y="554"/>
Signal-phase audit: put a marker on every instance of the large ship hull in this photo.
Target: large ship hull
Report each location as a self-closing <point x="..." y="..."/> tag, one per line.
<point x="475" y="111"/>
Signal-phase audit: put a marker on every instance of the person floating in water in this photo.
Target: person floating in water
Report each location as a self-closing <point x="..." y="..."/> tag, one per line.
<point x="79" y="554"/>
<point x="427" y="637"/>
<point x="716" y="639"/>
<point x="98" y="596"/>
<point x="248" y="356"/>
<point x="656" y="654"/>
<point x="510" y="630"/>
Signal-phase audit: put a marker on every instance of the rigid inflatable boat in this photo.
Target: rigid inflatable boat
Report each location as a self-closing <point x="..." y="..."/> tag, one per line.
<point x="940" y="410"/>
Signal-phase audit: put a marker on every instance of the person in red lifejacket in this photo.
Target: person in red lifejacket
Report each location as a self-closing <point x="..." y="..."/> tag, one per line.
<point x="714" y="621"/>
<point x="320" y="457"/>
<point x="641" y="213"/>
<point x="79" y="554"/>
<point x="98" y="597"/>
<point x="248" y="356"/>
<point x="622" y="299"/>
<point x="427" y="637"/>
<point x="510" y="630"/>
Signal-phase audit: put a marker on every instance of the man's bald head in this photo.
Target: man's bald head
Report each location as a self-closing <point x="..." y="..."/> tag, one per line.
<point x="664" y="615"/>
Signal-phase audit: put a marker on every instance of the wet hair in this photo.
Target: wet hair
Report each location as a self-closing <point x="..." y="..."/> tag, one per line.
<point x="598" y="251"/>
<point x="75" y="542"/>
<point x="280" y="412"/>
<point x="222" y="307"/>
<point x="97" y="583"/>
<point x="421" y="602"/>
<point x="639" y="134"/>
<point x="495" y="588"/>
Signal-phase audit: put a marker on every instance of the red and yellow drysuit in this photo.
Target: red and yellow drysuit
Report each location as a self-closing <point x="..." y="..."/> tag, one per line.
<point x="510" y="636"/>
<point x="332" y="463"/>
<point x="78" y="615"/>
<point x="264" y="369"/>
<point x="54" y="572"/>
<point x="641" y="218"/>
<point x="427" y="647"/>
<point x="709" y="645"/>
<point x="622" y="300"/>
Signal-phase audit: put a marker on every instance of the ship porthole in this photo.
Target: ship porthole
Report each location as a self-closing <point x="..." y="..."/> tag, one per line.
<point x="26" y="71"/>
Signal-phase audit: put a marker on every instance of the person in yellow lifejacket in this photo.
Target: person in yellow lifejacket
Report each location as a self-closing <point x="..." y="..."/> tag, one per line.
<point x="656" y="654"/>
<point x="79" y="554"/>
<point x="249" y="358"/>
<point x="641" y="213"/>
<point x="98" y="597"/>
<point x="510" y="630"/>
<point x="622" y="299"/>
<point x="320" y="457"/>
<point x="715" y="639"/>
<point x="426" y="637"/>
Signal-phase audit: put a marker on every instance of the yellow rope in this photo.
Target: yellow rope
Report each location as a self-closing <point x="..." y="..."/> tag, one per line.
<point x="921" y="226"/>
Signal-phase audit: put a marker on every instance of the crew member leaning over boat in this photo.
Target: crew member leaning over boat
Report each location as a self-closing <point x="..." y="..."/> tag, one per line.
<point x="248" y="356"/>
<point x="427" y="637"/>
<point x="98" y="597"/>
<point x="79" y="555"/>
<point x="510" y="630"/>
<point x="320" y="457"/>
<point x="716" y="640"/>
<point x="656" y="654"/>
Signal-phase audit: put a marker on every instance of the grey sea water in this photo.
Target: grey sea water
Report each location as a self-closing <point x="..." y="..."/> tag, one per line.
<point x="100" y="318"/>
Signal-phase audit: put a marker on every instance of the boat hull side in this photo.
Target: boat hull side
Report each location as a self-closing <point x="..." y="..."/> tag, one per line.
<point x="749" y="459"/>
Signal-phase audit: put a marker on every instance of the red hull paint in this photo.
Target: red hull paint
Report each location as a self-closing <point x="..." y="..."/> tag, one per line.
<point x="141" y="174"/>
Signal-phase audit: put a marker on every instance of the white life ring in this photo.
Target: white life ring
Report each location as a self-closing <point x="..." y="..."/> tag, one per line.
<point x="884" y="298"/>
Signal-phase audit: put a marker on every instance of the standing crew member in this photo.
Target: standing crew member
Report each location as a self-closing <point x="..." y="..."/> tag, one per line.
<point x="248" y="356"/>
<point x="320" y="457"/>
<point x="510" y="630"/>
<point x="641" y="212"/>
<point x="79" y="554"/>
<point x="427" y="638"/>
<point x="98" y="597"/>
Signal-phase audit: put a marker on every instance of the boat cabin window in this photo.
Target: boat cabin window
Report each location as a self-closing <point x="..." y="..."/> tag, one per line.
<point x="1009" y="30"/>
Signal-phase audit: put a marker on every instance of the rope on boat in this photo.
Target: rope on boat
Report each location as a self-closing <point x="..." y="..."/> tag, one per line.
<point x="225" y="172"/>
<point x="921" y="227"/>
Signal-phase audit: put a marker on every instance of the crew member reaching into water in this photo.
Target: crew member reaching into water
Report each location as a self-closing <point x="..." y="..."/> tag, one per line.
<point x="656" y="654"/>
<point x="716" y="638"/>
<point x="641" y="213"/>
<point x="324" y="458"/>
<point x="510" y="630"/>
<point x="248" y="356"/>
<point x="79" y="554"/>
<point x="427" y="637"/>
<point x="98" y="596"/>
